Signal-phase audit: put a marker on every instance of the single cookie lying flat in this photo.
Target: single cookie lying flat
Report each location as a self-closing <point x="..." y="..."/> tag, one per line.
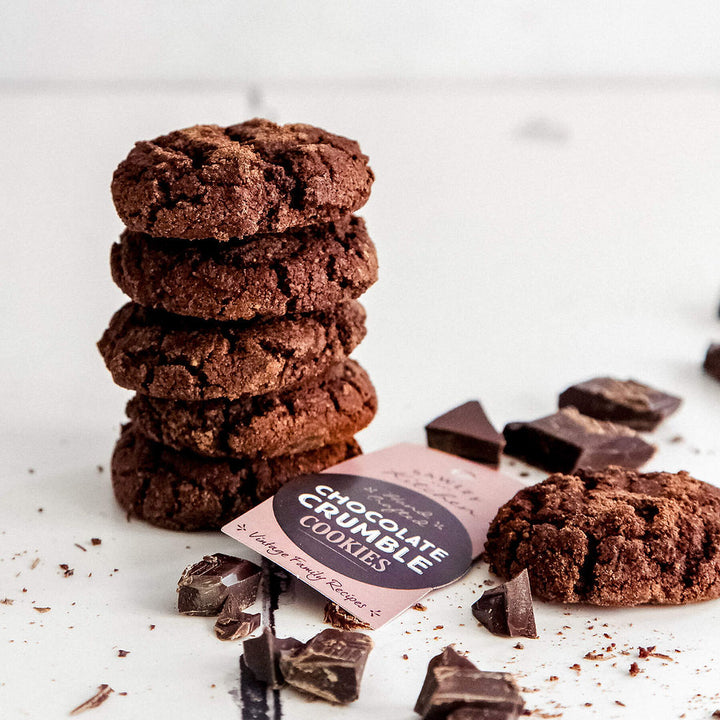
<point x="165" y="355"/>
<point x="182" y="491"/>
<point x="325" y="411"/>
<point x="614" y="537"/>
<point x="207" y="181"/>
<point x="299" y="271"/>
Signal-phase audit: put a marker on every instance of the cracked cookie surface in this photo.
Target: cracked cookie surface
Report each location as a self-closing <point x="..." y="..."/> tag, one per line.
<point x="325" y="411"/>
<point x="299" y="271"/>
<point x="183" y="491"/>
<point x="164" y="355"/>
<point x="208" y="181"/>
<point x="614" y="537"/>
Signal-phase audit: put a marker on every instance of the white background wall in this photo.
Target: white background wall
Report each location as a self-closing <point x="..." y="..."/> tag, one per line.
<point x="237" y="40"/>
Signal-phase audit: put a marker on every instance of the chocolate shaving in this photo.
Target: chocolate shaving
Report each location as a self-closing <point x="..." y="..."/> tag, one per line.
<point x="96" y="700"/>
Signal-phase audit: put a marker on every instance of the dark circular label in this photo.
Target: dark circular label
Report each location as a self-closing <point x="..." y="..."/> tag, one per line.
<point x="374" y="531"/>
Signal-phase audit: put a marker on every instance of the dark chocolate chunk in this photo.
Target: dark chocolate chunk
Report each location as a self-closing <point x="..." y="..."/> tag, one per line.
<point x="507" y="609"/>
<point x="236" y="625"/>
<point x="233" y="623"/>
<point x="203" y="587"/>
<point x="568" y="441"/>
<point x="467" y="432"/>
<point x="262" y="656"/>
<point x="712" y="361"/>
<point x="329" y="666"/>
<point x="627" y="402"/>
<point x="449" y="688"/>
<point x="447" y="658"/>
<point x="342" y="619"/>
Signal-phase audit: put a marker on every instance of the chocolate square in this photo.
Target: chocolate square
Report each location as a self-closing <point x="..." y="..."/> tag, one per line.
<point x="567" y="441"/>
<point x="627" y="402"/>
<point x="330" y="665"/>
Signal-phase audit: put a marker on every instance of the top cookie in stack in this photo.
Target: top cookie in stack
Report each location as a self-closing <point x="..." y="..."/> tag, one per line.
<point x="243" y="262"/>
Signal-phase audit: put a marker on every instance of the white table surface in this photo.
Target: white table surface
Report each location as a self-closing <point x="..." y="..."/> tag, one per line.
<point x="529" y="237"/>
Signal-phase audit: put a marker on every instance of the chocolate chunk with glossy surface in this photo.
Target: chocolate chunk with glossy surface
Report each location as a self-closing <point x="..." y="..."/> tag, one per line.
<point x="329" y="666"/>
<point x="447" y="658"/>
<point x="466" y="431"/>
<point x="262" y="656"/>
<point x="627" y="402"/>
<point x="452" y="688"/>
<point x="507" y="609"/>
<point x="233" y="624"/>
<point x="568" y="441"/>
<point x="203" y="586"/>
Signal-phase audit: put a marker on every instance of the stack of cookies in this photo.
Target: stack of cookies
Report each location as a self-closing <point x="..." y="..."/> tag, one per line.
<point x="243" y="262"/>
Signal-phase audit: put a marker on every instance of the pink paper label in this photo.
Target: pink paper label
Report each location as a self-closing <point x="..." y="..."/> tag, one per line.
<point x="376" y="533"/>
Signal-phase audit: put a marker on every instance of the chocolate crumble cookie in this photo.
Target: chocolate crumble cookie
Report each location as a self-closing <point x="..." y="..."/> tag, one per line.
<point x="614" y="537"/>
<point x="165" y="355"/>
<point x="299" y="271"/>
<point x="182" y="491"/>
<point x="324" y="411"/>
<point x="208" y="181"/>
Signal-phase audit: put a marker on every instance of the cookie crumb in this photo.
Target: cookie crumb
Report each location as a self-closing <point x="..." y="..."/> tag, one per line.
<point x="634" y="669"/>
<point x="419" y="606"/>
<point x="6" y="601"/>
<point x="78" y="545"/>
<point x="123" y="653"/>
<point x="42" y="609"/>
<point x="576" y="668"/>
<point x="644" y="652"/>
<point x="95" y="541"/>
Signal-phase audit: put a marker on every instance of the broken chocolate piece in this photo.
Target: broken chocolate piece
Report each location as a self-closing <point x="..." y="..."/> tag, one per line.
<point x="237" y="626"/>
<point x="455" y="688"/>
<point x="96" y="700"/>
<point x="233" y="623"/>
<point x="568" y="441"/>
<point x="329" y="666"/>
<point x="507" y="609"/>
<point x="447" y="658"/>
<point x="712" y="361"/>
<point x="262" y="656"/>
<point x="341" y="619"/>
<point x="466" y="431"/>
<point x="204" y="586"/>
<point x="626" y="402"/>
